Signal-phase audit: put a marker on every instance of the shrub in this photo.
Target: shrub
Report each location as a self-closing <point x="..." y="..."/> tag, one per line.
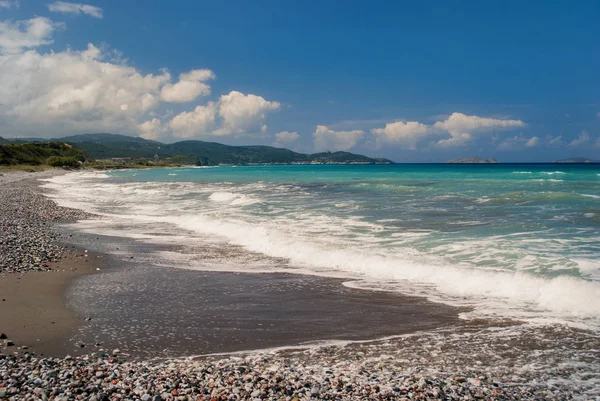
<point x="59" y="161"/>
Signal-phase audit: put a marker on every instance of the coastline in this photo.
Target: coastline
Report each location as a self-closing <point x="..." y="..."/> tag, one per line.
<point x="37" y="267"/>
<point x="472" y="359"/>
<point x="34" y="313"/>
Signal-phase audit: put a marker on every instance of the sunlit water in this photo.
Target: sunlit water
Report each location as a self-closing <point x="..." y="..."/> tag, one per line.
<point x="518" y="241"/>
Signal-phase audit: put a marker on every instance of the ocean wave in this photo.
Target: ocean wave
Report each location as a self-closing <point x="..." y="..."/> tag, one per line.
<point x="233" y="199"/>
<point x="572" y="296"/>
<point x="319" y="239"/>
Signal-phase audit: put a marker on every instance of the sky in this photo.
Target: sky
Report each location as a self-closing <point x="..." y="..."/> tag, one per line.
<point x="422" y="81"/>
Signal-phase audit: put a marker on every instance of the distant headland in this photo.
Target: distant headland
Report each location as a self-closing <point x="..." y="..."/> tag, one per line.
<point x="473" y="160"/>
<point x="576" y="160"/>
<point x="114" y="151"/>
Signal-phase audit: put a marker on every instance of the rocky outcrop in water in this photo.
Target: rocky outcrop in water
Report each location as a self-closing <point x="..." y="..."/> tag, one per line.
<point x="473" y="160"/>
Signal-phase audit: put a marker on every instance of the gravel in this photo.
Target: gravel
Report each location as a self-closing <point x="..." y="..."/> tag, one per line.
<point x="508" y="361"/>
<point x="27" y="241"/>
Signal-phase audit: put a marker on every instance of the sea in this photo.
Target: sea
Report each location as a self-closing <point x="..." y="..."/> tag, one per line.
<point x="501" y="241"/>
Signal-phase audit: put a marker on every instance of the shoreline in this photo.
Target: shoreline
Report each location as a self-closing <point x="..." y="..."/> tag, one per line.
<point x="37" y="266"/>
<point x="44" y="316"/>
<point x="470" y="359"/>
<point x="34" y="313"/>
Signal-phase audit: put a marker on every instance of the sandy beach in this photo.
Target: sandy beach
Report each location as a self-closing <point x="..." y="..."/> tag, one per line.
<point x="171" y="334"/>
<point x="34" y="314"/>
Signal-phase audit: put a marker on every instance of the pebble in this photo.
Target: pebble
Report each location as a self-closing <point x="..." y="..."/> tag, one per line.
<point x="28" y="242"/>
<point x="402" y="370"/>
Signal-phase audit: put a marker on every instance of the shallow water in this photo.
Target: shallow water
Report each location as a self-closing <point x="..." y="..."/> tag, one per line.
<point x="519" y="241"/>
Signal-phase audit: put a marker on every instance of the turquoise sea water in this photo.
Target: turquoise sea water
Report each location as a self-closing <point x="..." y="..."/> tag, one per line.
<point x="518" y="240"/>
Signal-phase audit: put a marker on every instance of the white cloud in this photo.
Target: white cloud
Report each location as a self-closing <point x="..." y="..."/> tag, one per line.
<point x="243" y="114"/>
<point x="75" y="90"/>
<point x="532" y="142"/>
<point x="75" y="8"/>
<point x="234" y="114"/>
<point x="194" y="124"/>
<point x="286" y="136"/>
<point x="554" y="140"/>
<point x="151" y="129"/>
<point x="582" y="139"/>
<point x="27" y="34"/>
<point x="9" y="4"/>
<point x="70" y="91"/>
<point x="457" y="130"/>
<point x="406" y="134"/>
<point x="328" y="139"/>
<point x="190" y="86"/>
<point x="462" y="128"/>
<point x="518" y="143"/>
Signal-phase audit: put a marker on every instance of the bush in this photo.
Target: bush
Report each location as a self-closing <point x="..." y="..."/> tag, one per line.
<point x="59" y="161"/>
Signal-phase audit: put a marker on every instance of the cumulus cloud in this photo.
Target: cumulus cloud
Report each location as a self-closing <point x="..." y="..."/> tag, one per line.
<point x="75" y="8"/>
<point x="77" y="89"/>
<point x="457" y="130"/>
<point x="532" y="142"/>
<point x="582" y="139"/>
<point x="284" y="138"/>
<point x="243" y="114"/>
<point x="70" y="91"/>
<point x="9" y="4"/>
<point x="27" y="34"/>
<point x="152" y="129"/>
<point x="405" y="134"/>
<point x="328" y="139"/>
<point x="194" y="124"/>
<point x="519" y="143"/>
<point x="462" y="127"/>
<point x="554" y="140"/>
<point x="190" y="86"/>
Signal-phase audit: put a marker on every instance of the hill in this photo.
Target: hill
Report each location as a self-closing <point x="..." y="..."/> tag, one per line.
<point x="114" y="146"/>
<point x="576" y="160"/>
<point x="473" y="160"/>
<point x="52" y="153"/>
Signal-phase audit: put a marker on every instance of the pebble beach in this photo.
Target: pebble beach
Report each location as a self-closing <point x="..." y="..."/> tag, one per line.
<point x="493" y="360"/>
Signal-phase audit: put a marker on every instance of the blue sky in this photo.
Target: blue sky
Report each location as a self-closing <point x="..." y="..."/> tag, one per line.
<point x="411" y="81"/>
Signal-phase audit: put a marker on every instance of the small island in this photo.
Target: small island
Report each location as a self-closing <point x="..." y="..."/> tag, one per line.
<point x="576" y="160"/>
<point x="473" y="160"/>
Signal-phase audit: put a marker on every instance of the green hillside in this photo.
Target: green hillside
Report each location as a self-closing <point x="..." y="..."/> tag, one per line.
<point x="127" y="149"/>
<point x="52" y="153"/>
<point x="111" y="146"/>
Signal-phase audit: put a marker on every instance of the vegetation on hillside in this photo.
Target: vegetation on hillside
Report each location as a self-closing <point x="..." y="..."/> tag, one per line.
<point x="57" y="154"/>
<point x="126" y="150"/>
<point x="111" y="146"/>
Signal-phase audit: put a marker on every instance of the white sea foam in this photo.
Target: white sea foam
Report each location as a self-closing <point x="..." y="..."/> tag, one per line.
<point x="565" y="295"/>
<point x="223" y="196"/>
<point x="522" y="172"/>
<point x="591" y="196"/>
<point x="347" y="246"/>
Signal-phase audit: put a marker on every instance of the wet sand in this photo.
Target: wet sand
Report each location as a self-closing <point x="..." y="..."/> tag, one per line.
<point x="157" y="312"/>
<point x="33" y="307"/>
<point x="153" y="311"/>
